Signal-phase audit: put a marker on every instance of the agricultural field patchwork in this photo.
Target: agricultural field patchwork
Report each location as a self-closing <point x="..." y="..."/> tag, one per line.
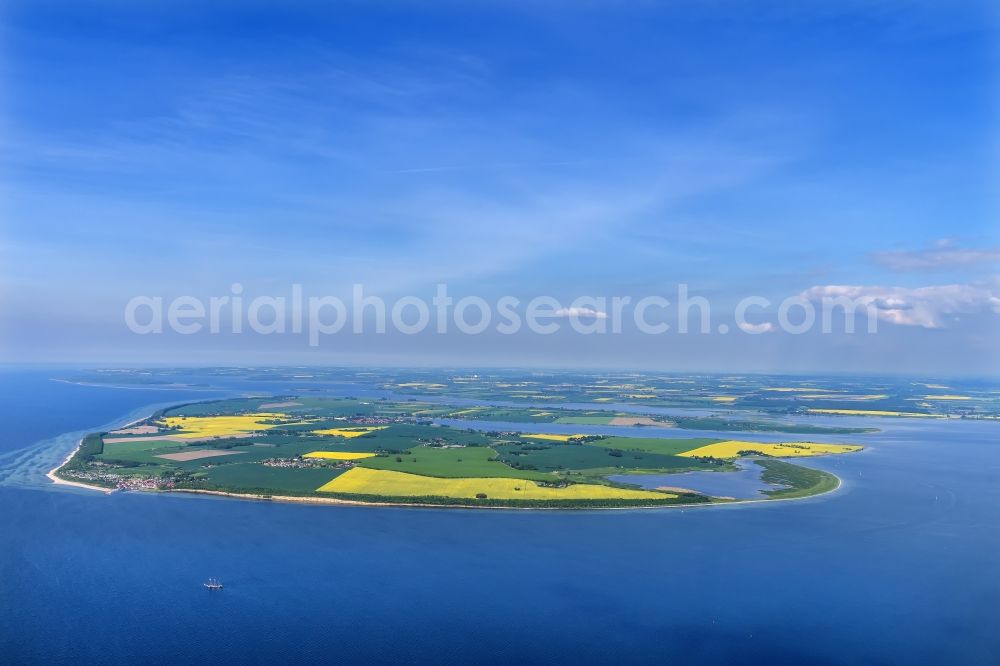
<point x="605" y="417"/>
<point x="756" y="399"/>
<point x="196" y="427"/>
<point x="417" y="452"/>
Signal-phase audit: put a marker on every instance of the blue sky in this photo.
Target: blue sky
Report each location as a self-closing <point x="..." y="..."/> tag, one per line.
<point x="558" y="148"/>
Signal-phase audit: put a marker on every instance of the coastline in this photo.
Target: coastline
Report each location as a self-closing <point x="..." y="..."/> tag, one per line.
<point x="53" y="474"/>
<point x="333" y="500"/>
<point x="54" y="478"/>
<point x="291" y="499"/>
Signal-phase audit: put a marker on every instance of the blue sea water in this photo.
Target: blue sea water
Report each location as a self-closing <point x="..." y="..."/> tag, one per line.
<point x="898" y="566"/>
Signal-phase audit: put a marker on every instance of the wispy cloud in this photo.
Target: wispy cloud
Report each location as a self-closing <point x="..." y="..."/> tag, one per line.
<point x="581" y="313"/>
<point x="927" y="307"/>
<point x="336" y="151"/>
<point x="942" y="256"/>
<point x="545" y="150"/>
<point x="763" y="327"/>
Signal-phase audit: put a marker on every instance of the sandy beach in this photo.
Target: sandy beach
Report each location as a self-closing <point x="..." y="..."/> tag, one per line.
<point x="51" y="474"/>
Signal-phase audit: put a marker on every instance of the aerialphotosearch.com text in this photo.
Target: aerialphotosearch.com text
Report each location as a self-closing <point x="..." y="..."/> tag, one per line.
<point x="318" y="316"/>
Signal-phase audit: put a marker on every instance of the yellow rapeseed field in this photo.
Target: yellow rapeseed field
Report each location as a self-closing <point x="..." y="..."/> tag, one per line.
<point x="552" y="437"/>
<point x="225" y="426"/>
<point x="339" y="455"/>
<point x="732" y="448"/>
<point x="869" y="412"/>
<point x="363" y="481"/>
<point x="349" y="433"/>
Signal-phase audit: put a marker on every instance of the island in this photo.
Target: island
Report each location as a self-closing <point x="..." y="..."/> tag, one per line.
<point x="350" y="450"/>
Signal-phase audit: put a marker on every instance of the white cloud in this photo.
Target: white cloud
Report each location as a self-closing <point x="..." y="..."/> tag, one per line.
<point x="928" y="307"/>
<point x="581" y="313"/>
<point x="764" y="327"/>
<point x="943" y="256"/>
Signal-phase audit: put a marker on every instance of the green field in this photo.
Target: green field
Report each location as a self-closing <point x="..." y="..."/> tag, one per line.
<point x="558" y="415"/>
<point x="583" y="457"/>
<point x="669" y="447"/>
<point x="246" y="477"/>
<point x="248" y="451"/>
<point x="451" y="463"/>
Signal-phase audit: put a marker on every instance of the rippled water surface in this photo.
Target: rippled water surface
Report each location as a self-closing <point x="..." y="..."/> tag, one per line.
<point x="899" y="565"/>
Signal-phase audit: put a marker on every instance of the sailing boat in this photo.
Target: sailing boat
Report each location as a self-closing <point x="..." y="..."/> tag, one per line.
<point x="213" y="584"/>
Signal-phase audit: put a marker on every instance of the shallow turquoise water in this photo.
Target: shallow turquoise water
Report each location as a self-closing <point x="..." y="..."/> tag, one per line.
<point x="897" y="566"/>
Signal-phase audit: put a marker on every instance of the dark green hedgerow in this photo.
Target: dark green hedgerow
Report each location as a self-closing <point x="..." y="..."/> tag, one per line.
<point x="91" y="446"/>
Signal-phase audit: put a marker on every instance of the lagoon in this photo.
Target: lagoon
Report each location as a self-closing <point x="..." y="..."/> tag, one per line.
<point x="742" y="484"/>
